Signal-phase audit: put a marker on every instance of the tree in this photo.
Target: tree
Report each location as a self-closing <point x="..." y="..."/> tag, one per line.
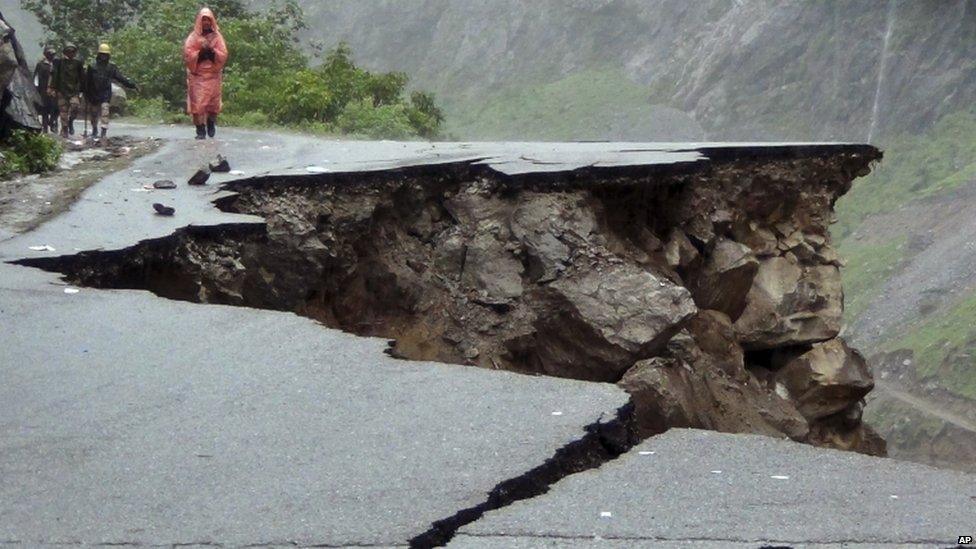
<point x="82" y="22"/>
<point x="268" y="78"/>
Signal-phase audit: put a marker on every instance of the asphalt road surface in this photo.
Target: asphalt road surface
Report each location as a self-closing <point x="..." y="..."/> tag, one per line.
<point x="703" y="489"/>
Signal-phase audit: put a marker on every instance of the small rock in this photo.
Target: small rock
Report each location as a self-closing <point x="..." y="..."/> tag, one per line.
<point x="164" y="184"/>
<point x="200" y="178"/>
<point x="164" y="210"/>
<point x="221" y="166"/>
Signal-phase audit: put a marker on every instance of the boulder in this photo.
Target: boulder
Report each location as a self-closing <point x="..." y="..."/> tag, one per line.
<point x="491" y="271"/>
<point x="120" y="99"/>
<point x="679" y="252"/>
<point x="599" y="322"/>
<point x="725" y="278"/>
<point x="825" y="380"/>
<point x="8" y="56"/>
<point x="702" y="383"/>
<point x="549" y="226"/>
<point x="790" y="305"/>
<point x="19" y="101"/>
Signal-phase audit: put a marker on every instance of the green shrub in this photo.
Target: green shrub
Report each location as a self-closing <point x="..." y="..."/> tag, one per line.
<point x="268" y="80"/>
<point x="306" y="98"/>
<point x="27" y="152"/>
<point x="362" y="118"/>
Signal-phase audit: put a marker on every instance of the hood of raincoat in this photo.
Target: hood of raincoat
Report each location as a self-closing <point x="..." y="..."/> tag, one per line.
<point x="205" y="12"/>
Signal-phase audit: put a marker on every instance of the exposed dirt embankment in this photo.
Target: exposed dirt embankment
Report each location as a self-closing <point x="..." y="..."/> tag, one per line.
<point x="709" y="291"/>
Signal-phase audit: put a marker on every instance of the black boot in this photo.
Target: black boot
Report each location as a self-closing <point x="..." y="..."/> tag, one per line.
<point x="104" y="132"/>
<point x="71" y="126"/>
<point x="201" y="131"/>
<point x="211" y="127"/>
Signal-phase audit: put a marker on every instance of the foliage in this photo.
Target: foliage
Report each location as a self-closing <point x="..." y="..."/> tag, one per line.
<point x="83" y="22"/>
<point x="28" y="152"/>
<point x="361" y="117"/>
<point x="268" y="79"/>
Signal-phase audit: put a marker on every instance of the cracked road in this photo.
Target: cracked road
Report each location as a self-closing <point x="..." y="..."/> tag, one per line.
<point x="130" y="419"/>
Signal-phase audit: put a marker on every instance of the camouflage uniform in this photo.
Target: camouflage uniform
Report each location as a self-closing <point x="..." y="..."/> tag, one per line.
<point x="68" y="81"/>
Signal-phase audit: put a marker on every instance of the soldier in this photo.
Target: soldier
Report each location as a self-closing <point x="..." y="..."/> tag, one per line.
<point x="67" y="83"/>
<point x="42" y="77"/>
<point x="98" y="89"/>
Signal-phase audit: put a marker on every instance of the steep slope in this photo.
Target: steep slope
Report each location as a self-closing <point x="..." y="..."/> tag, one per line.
<point x="751" y="69"/>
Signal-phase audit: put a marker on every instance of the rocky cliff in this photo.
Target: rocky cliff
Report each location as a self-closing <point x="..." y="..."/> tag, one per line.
<point x="749" y="69"/>
<point x="708" y="289"/>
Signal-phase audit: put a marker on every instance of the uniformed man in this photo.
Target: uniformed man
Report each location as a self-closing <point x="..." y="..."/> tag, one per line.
<point x="98" y="89"/>
<point x="67" y="84"/>
<point x="42" y="77"/>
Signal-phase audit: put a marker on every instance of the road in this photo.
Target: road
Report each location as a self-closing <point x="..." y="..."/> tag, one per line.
<point x="129" y="419"/>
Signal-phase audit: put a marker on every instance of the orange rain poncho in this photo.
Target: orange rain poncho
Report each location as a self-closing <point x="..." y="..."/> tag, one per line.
<point x="204" y="78"/>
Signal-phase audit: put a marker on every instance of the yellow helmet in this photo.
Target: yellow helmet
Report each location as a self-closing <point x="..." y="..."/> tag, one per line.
<point x="105" y="48"/>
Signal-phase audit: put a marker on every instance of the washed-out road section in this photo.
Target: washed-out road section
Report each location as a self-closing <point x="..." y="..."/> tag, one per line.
<point x="130" y="419"/>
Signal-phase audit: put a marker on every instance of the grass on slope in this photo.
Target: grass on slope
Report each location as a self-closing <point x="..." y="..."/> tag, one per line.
<point x="585" y="101"/>
<point x="914" y="167"/>
<point x="945" y="347"/>
<point x="867" y="267"/>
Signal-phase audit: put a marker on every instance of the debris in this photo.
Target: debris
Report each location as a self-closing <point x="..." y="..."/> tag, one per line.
<point x="222" y="166"/>
<point x="71" y="290"/>
<point x="316" y="169"/>
<point x="164" y="210"/>
<point x="646" y="453"/>
<point x="779" y="477"/>
<point x="143" y="189"/>
<point x="557" y="413"/>
<point x="716" y="472"/>
<point x="200" y="178"/>
<point x="236" y="172"/>
<point x="44" y="248"/>
<point x="606" y="514"/>
<point x="164" y="184"/>
<point x="893" y="496"/>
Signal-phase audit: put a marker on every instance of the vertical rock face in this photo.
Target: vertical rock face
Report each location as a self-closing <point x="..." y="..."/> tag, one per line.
<point x="710" y="292"/>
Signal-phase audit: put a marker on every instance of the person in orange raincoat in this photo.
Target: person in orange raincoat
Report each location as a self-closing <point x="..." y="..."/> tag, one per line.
<point x="205" y="54"/>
